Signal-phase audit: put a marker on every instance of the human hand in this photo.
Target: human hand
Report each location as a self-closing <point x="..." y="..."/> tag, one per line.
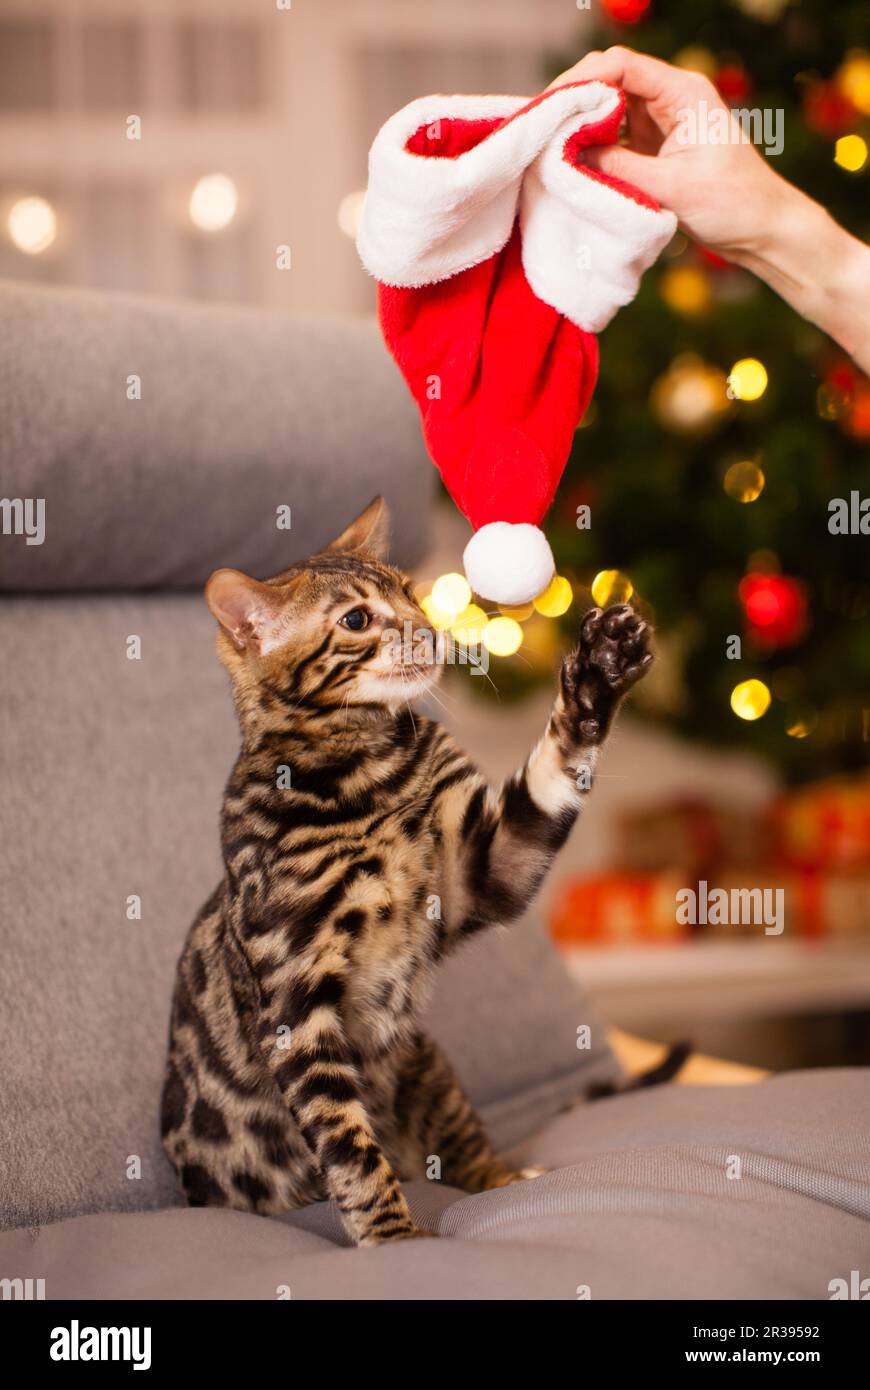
<point x="725" y="195"/>
<point x="729" y="198"/>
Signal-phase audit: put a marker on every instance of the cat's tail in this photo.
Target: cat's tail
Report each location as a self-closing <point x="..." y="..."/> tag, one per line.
<point x="666" y="1070"/>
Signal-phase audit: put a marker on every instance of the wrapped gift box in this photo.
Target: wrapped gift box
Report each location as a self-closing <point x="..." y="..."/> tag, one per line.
<point x="614" y="909"/>
<point x="825" y="826"/>
<point x="694" y="836"/>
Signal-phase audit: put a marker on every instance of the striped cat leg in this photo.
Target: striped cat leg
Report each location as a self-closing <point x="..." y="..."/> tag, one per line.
<point x="431" y="1103"/>
<point x="317" y="1074"/>
<point x="504" y="843"/>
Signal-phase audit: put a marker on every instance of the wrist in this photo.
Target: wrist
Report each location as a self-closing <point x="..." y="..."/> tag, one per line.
<point x="818" y="268"/>
<point x="791" y="231"/>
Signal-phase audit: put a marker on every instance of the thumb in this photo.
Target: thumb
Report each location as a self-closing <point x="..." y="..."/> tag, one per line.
<point x="647" y="172"/>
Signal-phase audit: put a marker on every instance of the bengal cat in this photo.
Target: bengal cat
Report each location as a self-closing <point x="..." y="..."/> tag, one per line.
<point x="360" y="847"/>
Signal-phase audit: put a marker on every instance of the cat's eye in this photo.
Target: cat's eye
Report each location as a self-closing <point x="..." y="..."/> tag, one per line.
<point x="357" y="620"/>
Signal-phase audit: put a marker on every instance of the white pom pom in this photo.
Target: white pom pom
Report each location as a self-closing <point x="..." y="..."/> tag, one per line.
<point x="508" y="562"/>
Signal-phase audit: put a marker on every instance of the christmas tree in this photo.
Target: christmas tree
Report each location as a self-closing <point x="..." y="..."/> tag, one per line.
<point x="723" y="426"/>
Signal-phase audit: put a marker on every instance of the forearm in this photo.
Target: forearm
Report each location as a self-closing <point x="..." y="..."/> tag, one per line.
<point x="500" y="845"/>
<point x="506" y="840"/>
<point x="817" y="268"/>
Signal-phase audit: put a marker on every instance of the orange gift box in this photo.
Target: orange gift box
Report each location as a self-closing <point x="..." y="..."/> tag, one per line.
<point x="612" y="908"/>
<point x="825" y="826"/>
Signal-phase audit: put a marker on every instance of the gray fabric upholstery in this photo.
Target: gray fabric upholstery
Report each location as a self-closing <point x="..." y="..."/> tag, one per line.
<point x="638" y="1206"/>
<point x="241" y="412"/>
<point x="113" y="773"/>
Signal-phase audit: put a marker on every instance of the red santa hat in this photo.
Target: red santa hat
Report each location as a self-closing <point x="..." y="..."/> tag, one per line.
<point x="499" y="254"/>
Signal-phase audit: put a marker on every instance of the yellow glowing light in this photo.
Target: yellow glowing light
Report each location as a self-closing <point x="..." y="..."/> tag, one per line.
<point x="213" y="203"/>
<point x="556" y="598"/>
<point x="750" y="699"/>
<point x="350" y="211"/>
<point x="520" y="611"/>
<point x="609" y="586"/>
<point x="853" y="80"/>
<point x="437" y="617"/>
<point x="748" y="379"/>
<point x="744" y="481"/>
<point x="502" y="636"/>
<point x="802" y="722"/>
<point x="691" y="396"/>
<point x="468" y="627"/>
<point x="850" y="152"/>
<point x="451" y="593"/>
<point x="686" y="289"/>
<point x="32" y="225"/>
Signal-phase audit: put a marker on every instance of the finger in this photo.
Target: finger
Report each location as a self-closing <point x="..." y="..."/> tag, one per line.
<point x="578" y="72"/>
<point x="644" y="136"/>
<point x="636" y="73"/>
<point x="663" y="88"/>
<point x="647" y="172"/>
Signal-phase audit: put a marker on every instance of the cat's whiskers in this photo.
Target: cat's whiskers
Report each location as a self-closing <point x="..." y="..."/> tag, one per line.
<point x="439" y="701"/>
<point x="480" y="666"/>
<point x="346" y="703"/>
<point x="408" y="702"/>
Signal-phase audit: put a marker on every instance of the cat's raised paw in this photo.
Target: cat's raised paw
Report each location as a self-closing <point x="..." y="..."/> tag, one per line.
<point x="616" y="642"/>
<point x="613" y="653"/>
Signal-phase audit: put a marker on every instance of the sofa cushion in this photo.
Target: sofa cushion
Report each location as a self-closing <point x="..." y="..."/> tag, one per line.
<point x="113" y="774"/>
<point x="241" y="412"/>
<point x="639" y="1205"/>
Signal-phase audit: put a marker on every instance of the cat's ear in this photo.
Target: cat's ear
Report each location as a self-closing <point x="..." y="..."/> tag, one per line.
<point x="370" y="533"/>
<point x="253" y="614"/>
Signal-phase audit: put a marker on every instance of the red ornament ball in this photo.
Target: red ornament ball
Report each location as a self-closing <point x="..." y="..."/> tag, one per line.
<point x="626" y="11"/>
<point x="858" y="418"/>
<point x="843" y="378"/>
<point x="775" y="608"/>
<point x="826" y="110"/>
<point x="733" y="83"/>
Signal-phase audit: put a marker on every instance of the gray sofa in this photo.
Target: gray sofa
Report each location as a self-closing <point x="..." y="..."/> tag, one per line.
<point x="113" y="770"/>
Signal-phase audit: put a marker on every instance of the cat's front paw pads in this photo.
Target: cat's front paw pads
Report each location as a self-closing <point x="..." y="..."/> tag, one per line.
<point x="614" y="652"/>
<point x="617" y="643"/>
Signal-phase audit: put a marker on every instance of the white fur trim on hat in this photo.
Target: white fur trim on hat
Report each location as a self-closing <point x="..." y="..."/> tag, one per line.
<point x="426" y="218"/>
<point x="509" y="562"/>
<point x="585" y="244"/>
